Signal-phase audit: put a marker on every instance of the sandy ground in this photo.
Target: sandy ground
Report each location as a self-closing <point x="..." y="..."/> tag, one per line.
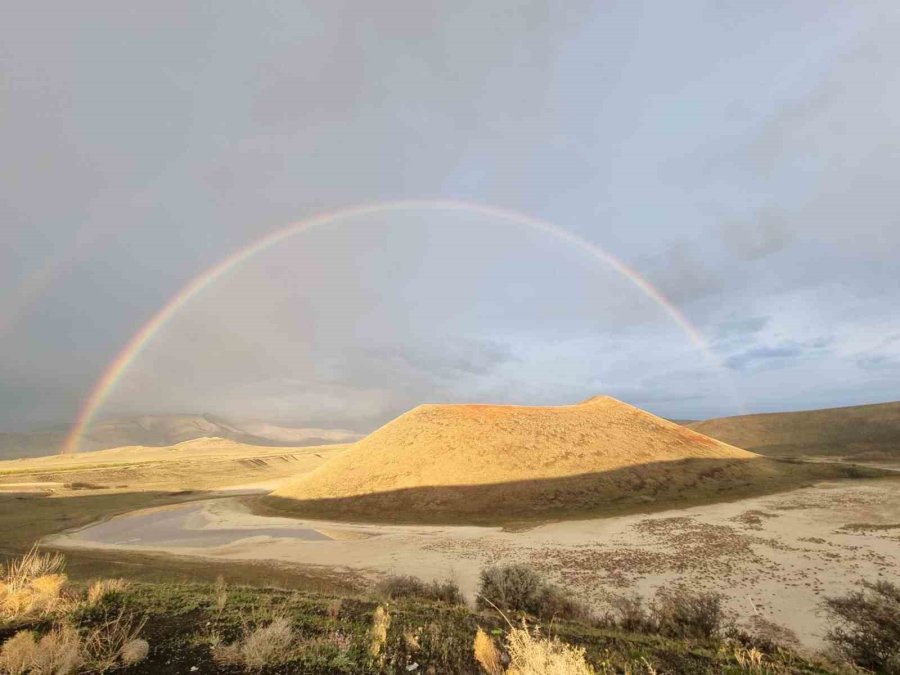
<point x="774" y="557"/>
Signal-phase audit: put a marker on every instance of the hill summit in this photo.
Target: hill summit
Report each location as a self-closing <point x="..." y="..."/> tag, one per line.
<point x="481" y="462"/>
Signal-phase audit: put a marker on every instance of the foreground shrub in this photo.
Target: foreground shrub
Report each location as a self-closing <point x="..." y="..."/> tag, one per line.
<point x="629" y="614"/>
<point x="275" y="644"/>
<point x="680" y="613"/>
<point x="270" y="644"/>
<point x="397" y="587"/>
<point x="519" y="588"/>
<point x="32" y="586"/>
<point x="58" y="652"/>
<point x="113" y="641"/>
<point x="867" y="629"/>
<point x="64" y="650"/>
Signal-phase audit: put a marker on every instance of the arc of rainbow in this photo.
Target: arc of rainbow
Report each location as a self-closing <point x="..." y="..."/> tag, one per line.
<point x="139" y="340"/>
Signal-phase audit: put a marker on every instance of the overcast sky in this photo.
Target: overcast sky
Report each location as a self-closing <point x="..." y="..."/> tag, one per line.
<point x="744" y="158"/>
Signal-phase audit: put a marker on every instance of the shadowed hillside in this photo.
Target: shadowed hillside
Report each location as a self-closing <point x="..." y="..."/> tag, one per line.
<point x="862" y="432"/>
<point x="488" y="462"/>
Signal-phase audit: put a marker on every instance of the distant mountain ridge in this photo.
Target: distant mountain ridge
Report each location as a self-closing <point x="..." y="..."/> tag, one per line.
<point x="166" y="430"/>
<point x="863" y="432"/>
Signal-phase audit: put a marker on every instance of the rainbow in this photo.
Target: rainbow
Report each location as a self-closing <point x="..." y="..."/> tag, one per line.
<point x="116" y="369"/>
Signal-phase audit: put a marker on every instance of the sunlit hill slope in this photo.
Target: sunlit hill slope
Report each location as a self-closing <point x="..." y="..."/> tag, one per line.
<point x="485" y="462"/>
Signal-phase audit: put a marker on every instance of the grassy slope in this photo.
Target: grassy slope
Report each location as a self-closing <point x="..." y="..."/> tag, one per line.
<point x="180" y="617"/>
<point x="862" y="432"/>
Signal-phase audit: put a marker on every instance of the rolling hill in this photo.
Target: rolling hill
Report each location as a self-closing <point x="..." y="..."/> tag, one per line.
<point x="167" y="430"/>
<point x="860" y="432"/>
<point x="200" y="463"/>
<point x="482" y="463"/>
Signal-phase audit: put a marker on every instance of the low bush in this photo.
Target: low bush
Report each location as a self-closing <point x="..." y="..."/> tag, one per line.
<point x="519" y="588"/>
<point x="267" y="645"/>
<point x="673" y="613"/>
<point x="680" y="613"/>
<point x="866" y="626"/>
<point x="630" y="614"/>
<point x="398" y="587"/>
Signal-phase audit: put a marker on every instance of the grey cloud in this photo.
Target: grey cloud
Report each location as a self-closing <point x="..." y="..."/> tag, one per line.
<point x="741" y="327"/>
<point x="447" y="358"/>
<point x="766" y="233"/>
<point x="878" y="362"/>
<point x="682" y="275"/>
<point x="765" y="356"/>
<point x="146" y="143"/>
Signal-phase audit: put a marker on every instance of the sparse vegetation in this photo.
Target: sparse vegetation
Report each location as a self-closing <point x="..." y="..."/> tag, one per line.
<point x="519" y="588"/>
<point x="230" y="629"/>
<point x="674" y="612"/>
<point x="867" y="626"/>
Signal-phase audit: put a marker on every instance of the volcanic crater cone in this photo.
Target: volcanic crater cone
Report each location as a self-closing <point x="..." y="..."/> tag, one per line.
<point x="492" y="463"/>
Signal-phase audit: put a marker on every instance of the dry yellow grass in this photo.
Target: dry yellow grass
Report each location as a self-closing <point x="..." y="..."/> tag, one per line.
<point x="100" y="588"/>
<point x="381" y="621"/>
<point x="486" y="653"/>
<point x="32" y="585"/>
<point x="447" y="445"/>
<point x="532" y="654"/>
